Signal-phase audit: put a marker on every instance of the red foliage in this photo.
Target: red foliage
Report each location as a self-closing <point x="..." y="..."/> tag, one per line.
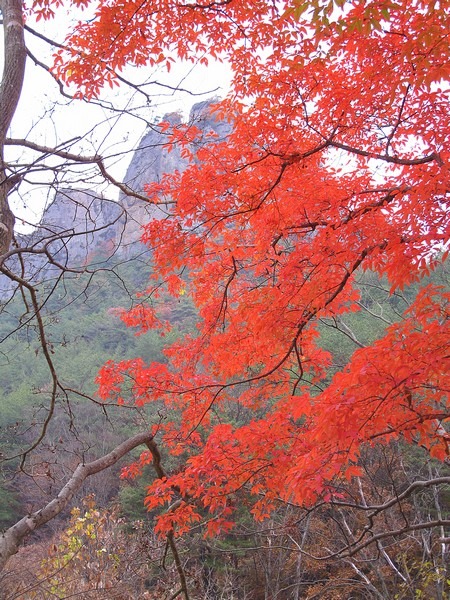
<point x="338" y="161"/>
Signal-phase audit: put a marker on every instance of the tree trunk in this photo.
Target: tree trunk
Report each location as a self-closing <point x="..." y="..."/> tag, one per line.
<point x="10" y="89"/>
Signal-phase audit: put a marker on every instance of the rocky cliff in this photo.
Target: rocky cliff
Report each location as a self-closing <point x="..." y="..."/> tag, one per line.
<point x="151" y="160"/>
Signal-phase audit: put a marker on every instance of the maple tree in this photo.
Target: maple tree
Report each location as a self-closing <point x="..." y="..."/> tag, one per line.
<point x="338" y="161"/>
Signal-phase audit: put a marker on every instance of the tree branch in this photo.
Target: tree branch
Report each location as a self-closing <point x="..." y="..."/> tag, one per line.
<point x="11" y="539"/>
<point x="78" y="158"/>
<point x="170" y="536"/>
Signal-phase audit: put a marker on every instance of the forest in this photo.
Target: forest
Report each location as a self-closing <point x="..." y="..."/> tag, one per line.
<point x="254" y="560"/>
<point x="227" y="377"/>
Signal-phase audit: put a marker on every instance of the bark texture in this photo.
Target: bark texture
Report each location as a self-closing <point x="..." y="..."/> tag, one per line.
<point x="15" y="54"/>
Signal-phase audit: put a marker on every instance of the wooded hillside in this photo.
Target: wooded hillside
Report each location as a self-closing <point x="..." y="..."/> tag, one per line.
<point x="289" y="385"/>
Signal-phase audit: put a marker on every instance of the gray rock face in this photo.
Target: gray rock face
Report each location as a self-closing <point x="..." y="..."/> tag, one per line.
<point x="202" y="117"/>
<point x="76" y="229"/>
<point x="151" y="160"/>
<point x="80" y="225"/>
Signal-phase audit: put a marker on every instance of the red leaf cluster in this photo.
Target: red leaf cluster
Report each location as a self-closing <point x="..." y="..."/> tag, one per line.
<point x="337" y="162"/>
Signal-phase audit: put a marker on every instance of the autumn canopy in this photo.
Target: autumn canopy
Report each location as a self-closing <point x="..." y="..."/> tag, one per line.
<point x="338" y="163"/>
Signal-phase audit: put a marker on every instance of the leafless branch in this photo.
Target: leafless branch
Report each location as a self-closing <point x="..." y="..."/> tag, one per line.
<point x="11" y="539"/>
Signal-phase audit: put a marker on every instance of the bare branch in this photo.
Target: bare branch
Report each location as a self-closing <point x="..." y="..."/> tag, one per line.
<point x="79" y="158"/>
<point x="13" y="537"/>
